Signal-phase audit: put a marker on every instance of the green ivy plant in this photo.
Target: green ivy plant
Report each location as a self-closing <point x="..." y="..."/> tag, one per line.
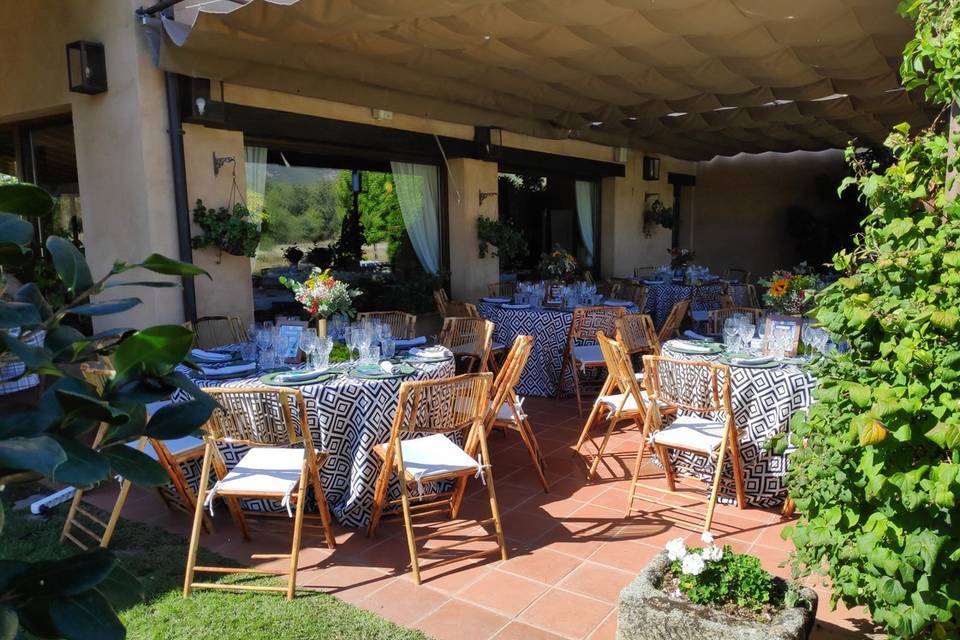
<point x="876" y="475"/>
<point x="231" y="230"/>
<point x="75" y="597"/>
<point x="510" y="243"/>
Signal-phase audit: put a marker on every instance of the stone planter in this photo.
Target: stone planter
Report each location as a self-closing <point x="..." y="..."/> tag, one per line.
<point x="646" y="613"/>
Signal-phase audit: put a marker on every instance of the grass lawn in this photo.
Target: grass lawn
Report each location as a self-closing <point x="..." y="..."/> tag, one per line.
<point x="158" y="558"/>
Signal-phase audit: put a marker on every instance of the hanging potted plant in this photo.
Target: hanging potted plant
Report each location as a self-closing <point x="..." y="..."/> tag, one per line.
<point x="501" y="240"/>
<point x="656" y="214"/>
<point x="226" y="229"/>
<point x="711" y="593"/>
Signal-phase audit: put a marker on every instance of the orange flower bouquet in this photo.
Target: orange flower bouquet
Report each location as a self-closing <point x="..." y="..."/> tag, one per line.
<point x="791" y="292"/>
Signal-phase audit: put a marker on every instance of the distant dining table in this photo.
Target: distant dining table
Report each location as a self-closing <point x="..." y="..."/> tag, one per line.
<point x="661" y="296"/>
<point x="549" y="328"/>
<point x="347" y="417"/>
<point x="764" y="399"/>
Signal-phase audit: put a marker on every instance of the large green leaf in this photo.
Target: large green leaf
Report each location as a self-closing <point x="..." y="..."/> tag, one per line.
<point x="167" y="266"/>
<point x="12" y="254"/>
<point x="30" y="292"/>
<point x="37" y="359"/>
<point x="18" y="314"/>
<point x="135" y="466"/>
<point x="155" y="350"/>
<point x="85" y="405"/>
<point x="70" y="264"/>
<point x="179" y="419"/>
<point x="69" y="576"/>
<point x="25" y="199"/>
<point x="106" y="308"/>
<point x="15" y="229"/>
<point x="86" y="616"/>
<point x="40" y="453"/>
<point x="83" y="467"/>
<point x="121" y="588"/>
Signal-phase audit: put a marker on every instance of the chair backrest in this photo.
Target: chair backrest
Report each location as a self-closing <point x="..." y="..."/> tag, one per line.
<point x="440" y="300"/>
<point x="456" y="309"/>
<point x="671" y="326"/>
<point x="716" y="317"/>
<point x="644" y="272"/>
<point x="587" y="321"/>
<point x="635" y="331"/>
<point x="610" y="288"/>
<point x="238" y="329"/>
<point x="403" y="325"/>
<point x="726" y="300"/>
<point x="467" y="336"/>
<point x="737" y="273"/>
<point x="635" y="293"/>
<point x="509" y="374"/>
<point x="502" y="289"/>
<point x="215" y="331"/>
<point x="258" y="416"/>
<point x="446" y="405"/>
<point x="692" y="386"/>
<point x="620" y="369"/>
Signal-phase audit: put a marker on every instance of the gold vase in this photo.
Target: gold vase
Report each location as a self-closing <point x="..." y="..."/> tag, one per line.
<point x="321" y="327"/>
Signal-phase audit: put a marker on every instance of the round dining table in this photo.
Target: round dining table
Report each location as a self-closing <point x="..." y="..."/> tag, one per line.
<point x="347" y="417"/>
<point x="764" y="400"/>
<point x="661" y="296"/>
<point x="549" y="328"/>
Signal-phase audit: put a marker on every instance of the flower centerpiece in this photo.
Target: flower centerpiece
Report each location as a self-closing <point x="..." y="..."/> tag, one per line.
<point x="680" y="258"/>
<point x="558" y="265"/>
<point x="791" y="292"/>
<point x="712" y="593"/>
<point x="322" y="296"/>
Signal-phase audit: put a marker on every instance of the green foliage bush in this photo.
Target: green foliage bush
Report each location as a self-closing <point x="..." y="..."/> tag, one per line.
<point x="733" y="579"/>
<point x="230" y="230"/>
<point x="510" y="243"/>
<point x="876" y="473"/>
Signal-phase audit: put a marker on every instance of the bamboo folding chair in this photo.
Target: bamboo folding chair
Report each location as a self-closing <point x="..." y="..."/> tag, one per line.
<point x="699" y="392"/>
<point x="403" y="325"/>
<point x="469" y="339"/>
<point x="280" y="464"/>
<point x="438" y="408"/>
<point x="622" y="400"/>
<point x="581" y="351"/>
<point x="744" y="295"/>
<point x="718" y="316"/>
<point x="635" y="293"/>
<point x="440" y="300"/>
<point x="81" y="523"/>
<point x="457" y="309"/>
<point x="741" y="275"/>
<point x="610" y="288"/>
<point x="216" y="331"/>
<point x="644" y="272"/>
<point x="502" y="289"/>
<point x="506" y="409"/>
<point x="635" y="331"/>
<point x="671" y="326"/>
<point x="238" y="329"/>
<point x="726" y="300"/>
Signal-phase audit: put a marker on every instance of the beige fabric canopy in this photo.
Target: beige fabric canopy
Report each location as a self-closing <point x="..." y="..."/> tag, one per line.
<point x="690" y="78"/>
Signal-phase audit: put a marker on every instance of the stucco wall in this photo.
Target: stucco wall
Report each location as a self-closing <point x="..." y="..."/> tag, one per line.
<point x="739" y="216"/>
<point x="469" y="273"/>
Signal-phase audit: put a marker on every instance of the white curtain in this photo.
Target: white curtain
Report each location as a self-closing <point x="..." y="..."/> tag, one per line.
<point x="256" y="175"/>
<point x="416" y="186"/>
<point x="586" y="208"/>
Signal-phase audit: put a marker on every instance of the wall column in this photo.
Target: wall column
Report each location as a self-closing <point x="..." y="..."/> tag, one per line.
<point x="469" y="273"/>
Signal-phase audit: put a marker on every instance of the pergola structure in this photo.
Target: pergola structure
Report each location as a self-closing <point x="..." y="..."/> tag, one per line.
<point x="688" y="78"/>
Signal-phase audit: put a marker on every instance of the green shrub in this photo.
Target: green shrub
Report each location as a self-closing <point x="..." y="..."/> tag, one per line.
<point x="229" y="230"/>
<point x="717" y="577"/>
<point x="876" y="472"/>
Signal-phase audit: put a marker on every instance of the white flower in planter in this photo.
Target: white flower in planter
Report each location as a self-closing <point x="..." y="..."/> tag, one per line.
<point x="693" y="565"/>
<point x="712" y="554"/>
<point x="676" y="549"/>
<point x="706" y="537"/>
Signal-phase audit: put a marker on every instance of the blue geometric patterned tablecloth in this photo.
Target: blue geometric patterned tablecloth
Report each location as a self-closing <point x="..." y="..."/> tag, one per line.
<point x="662" y="297"/>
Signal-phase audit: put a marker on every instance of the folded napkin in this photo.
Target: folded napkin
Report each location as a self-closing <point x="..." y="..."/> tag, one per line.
<point x="652" y="282"/>
<point x="516" y="306"/>
<point x="298" y="376"/>
<point x="495" y="299"/>
<point x="752" y="360"/>
<point x="435" y="352"/>
<point x="693" y="335"/>
<point x="412" y="342"/>
<point x="223" y="371"/>
<point x="387" y="366"/>
<point x="693" y="347"/>
<point x="612" y="302"/>
<point x="210" y="356"/>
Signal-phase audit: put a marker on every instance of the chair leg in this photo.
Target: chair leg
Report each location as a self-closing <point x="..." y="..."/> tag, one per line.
<point x="408" y="526"/>
<point x="379" y="497"/>
<point x="495" y="512"/>
<point x="588" y="425"/>
<point x="664" y="454"/>
<point x="72" y="513"/>
<point x="715" y="489"/>
<point x="576" y="388"/>
<point x="197" y="521"/>
<point x="533" y="447"/>
<point x="297" y="533"/>
<point x="612" y="422"/>
<point x="115" y="513"/>
<point x="738" y="475"/>
<point x="324" y="509"/>
<point x="456" y="500"/>
<point x="563" y="370"/>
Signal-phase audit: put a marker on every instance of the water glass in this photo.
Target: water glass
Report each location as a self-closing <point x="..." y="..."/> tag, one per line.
<point x="370" y="353"/>
<point x="268" y="358"/>
<point x="388" y="347"/>
<point x="248" y="350"/>
<point x="320" y="354"/>
<point x="746" y="332"/>
<point x="731" y="334"/>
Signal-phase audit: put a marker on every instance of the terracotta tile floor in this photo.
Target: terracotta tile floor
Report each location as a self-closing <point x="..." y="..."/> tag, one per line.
<point x="570" y="551"/>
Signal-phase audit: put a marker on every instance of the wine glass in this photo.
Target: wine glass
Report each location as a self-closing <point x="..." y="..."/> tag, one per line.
<point x="307" y="339"/>
<point x="731" y="333"/>
<point x="747" y="330"/>
<point x="388" y="347"/>
<point x="350" y="335"/>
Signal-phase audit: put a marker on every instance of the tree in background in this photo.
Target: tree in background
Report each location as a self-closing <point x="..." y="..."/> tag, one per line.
<point x="301" y="212"/>
<point x="380" y="216"/>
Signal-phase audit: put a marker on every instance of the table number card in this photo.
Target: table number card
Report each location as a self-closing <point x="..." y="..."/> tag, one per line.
<point x="290" y="331"/>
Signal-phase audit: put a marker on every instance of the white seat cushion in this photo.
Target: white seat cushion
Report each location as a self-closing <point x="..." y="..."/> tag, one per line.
<point x="691" y="432"/>
<point x="613" y="401"/>
<point x="434" y="455"/>
<point x="505" y="415"/>
<point x="588" y="354"/>
<point x="264" y="470"/>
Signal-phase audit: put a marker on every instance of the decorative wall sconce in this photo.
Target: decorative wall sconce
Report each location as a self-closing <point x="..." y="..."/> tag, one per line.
<point x="489" y="142"/>
<point x="487" y="194"/>
<point x="651" y="168"/>
<point x="86" y="67"/>
<point x="219" y="161"/>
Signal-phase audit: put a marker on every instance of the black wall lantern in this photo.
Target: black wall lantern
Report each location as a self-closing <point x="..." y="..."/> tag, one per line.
<point x="488" y="142"/>
<point x="86" y="67"/>
<point x="651" y="168"/>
